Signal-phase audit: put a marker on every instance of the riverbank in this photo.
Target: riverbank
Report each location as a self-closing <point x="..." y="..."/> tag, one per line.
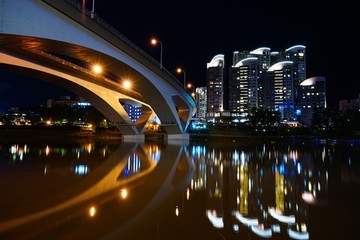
<point x="53" y="133"/>
<point x="70" y="133"/>
<point x="224" y="137"/>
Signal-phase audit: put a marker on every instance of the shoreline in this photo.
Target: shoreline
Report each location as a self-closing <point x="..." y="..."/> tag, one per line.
<point x="51" y="133"/>
<point x="34" y="133"/>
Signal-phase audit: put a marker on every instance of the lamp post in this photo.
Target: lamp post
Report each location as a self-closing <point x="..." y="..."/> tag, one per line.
<point x="154" y="42"/>
<point x="191" y="86"/>
<point x="93" y="9"/>
<point x="180" y="70"/>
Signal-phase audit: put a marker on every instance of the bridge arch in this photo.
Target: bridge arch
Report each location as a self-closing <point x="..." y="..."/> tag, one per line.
<point x="69" y="33"/>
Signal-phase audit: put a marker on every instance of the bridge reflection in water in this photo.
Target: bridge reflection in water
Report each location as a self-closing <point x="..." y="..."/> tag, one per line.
<point x="202" y="190"/>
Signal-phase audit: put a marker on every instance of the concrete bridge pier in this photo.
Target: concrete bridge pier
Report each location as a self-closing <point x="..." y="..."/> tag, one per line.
<point x="140" y="138"/>
<point x="183" y="137"/>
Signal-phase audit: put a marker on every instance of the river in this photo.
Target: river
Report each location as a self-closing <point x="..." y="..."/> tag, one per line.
<point x="244" y="188"/>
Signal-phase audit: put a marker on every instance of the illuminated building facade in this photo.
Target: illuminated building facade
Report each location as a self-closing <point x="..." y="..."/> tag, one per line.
<point x="215" y="86"/>
<point x="271" y="80"/>
<point x="265" y="79"/>
<point x="201" y="102"/>
<point x="282" y="89"/>
<point x="133" y="111"/>
<point x="297" y="55"/>
<point x="245" y="80"/>
<point x="313" y="98"/>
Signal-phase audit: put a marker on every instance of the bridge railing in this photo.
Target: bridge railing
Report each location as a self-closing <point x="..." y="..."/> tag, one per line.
<point x="121" y="36"/>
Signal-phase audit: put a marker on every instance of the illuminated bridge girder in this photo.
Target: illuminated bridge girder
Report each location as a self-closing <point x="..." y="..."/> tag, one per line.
<point x="58" y="42"/>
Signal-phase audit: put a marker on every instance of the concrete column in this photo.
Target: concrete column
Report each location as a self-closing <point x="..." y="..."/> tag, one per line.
<point x="134" y="138"/>
<point x="182" y="137"/>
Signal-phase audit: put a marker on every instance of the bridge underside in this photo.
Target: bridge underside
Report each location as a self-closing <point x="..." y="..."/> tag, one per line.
<point x="108" y="95"/>
<point x="59" y="41"/>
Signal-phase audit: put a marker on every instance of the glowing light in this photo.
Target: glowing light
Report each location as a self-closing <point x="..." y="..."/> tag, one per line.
<point x="47" y="150"/>
<point x="308" y="197"/>
<point x="92" y="211"/>
<point x="246" y="221"/>
<point x="97" y="69"/>
<point x="177" y="211"/>
<point x="261" y="231"/>
<point x="154" y="42"/>
<point x="275" y="213"/>
<point x="123" y="193"/>
<point x="217" y="222"/>
<point x="180" y="70"/>
<point x="81" y="169"/>
<point x="127" y="84"/>
<point x="89" y="147"/>
<point x="298" y="235"/>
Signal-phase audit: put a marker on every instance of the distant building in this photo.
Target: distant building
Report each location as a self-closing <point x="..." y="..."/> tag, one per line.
<point x="267" y="80"/>
<point x="282" y="89"/>
<point x="297" y="55"/>
<point x="67" y="101"/>
<point x="246" y="80"/>
<point x="215" y="86"/>
<point x="201" y="103"/>
<point x="134" y="112"/>
<point x="346" y="104"/>
<point x="313" y="98"/>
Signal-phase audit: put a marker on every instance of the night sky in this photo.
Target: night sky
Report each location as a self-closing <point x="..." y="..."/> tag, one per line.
<point x="193" y="32"/>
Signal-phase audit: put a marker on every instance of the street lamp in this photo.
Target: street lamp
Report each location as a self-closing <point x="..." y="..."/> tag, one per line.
<point x="97" y="69"/>
<point x="191" y="86"/>
<point x="127" y="84"/>
<point x="154" y="42"/>
<point x="180" y="70"/>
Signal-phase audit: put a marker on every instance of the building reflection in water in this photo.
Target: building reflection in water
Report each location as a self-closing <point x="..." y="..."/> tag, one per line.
<point x="257" y="189"/>
<point x="260" y="189"/>
<point x="82" y="158"/>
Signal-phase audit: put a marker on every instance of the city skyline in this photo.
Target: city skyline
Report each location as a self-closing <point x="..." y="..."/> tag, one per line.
<point x="192" y="35"/>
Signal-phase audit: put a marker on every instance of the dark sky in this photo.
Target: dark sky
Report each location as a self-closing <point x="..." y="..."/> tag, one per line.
<point x="193" y="32"/>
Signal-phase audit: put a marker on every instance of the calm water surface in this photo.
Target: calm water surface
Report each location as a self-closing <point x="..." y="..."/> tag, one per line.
<point x="227" y="189"/>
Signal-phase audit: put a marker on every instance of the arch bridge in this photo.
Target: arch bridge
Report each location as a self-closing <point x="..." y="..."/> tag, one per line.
<point x="59" y="41"/>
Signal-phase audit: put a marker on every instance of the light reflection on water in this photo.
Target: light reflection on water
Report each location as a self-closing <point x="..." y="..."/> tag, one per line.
<point x="266" y="188"/>
<point x="252" y="189"/>
<point x="263" y="185"/>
